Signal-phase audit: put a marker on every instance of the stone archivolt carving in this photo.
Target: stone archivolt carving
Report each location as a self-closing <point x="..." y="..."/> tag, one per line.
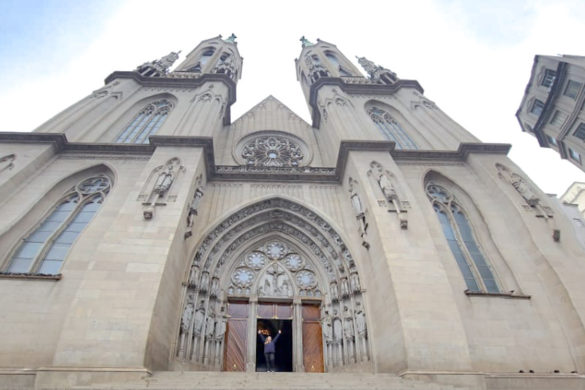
<point x="297" y="254"/>
<point x="272" y="149"/>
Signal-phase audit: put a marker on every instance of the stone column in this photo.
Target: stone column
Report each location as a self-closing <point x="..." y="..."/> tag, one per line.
<point x="298" y="364"/>
<point x="252" y="334"/>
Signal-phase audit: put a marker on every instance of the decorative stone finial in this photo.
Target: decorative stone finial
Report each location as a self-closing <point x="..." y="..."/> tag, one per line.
<point x="305" y="42"/>
<point x="376" y="71"/>
<point x="232" y="38"/>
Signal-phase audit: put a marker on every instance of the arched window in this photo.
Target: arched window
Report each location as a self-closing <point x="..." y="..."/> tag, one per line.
<point x="44" y="249"/>
<point x="391" y="128"/>
<point x="146" y="123"/>
<point x="460" y="237"/>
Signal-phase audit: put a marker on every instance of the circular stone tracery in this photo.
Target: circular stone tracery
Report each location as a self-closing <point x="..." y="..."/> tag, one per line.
<point x="272" y="150"/>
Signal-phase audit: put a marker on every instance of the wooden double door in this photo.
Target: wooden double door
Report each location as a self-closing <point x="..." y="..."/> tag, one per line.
<point x="245" y="318"/>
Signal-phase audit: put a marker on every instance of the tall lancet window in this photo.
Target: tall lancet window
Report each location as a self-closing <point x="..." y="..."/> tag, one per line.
<point x="391" y="128"/>
<point x="43" y="250"/>
<point x="146" y="123"/>
<point x="476" y="271"/>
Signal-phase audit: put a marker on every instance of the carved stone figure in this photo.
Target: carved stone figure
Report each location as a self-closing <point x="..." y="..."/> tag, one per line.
<point x="210" y="326"/>
<point x="344" y="288"/>
<point x="305" y="42"/>
<point x="524" y="189"/>
<point x="199" y="319"/>
<point x="214" y="290"/>
<point x="204" y="281"/>
<point x="358" y="210"/>
<point x="334" y="291"/>
<point x="354" y="281"/>
<point x="162" y="184"/>
<point x="390" y="193"/>
<point x="337" y="330"/>
<point x="220" y="328"/>
<point x="348" y="332"/>
<point x="360" y="320"/>
<point x="193" y="210"/>
<point x="187" y="315"/>
<point x="275" y="282"/>
<point x="327" y="328"/>
<point x="193" y="276"/>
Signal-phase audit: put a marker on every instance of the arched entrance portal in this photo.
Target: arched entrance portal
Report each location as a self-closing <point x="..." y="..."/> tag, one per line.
<point x="274" y="264"/>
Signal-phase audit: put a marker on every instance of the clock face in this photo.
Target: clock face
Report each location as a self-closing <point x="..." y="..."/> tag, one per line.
<point x="293" y="262"/>
<point x="306" y="279"/>
<point x="275" y="250"/>
<point x="243" y="277"/>
<point x="256" y="260"/>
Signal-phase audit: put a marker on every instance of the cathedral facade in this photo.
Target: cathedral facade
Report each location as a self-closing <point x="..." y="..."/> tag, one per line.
<point x="144" y="232"/>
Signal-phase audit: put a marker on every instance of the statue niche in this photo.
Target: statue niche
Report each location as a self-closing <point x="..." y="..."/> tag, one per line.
<point x="159" y="189"/>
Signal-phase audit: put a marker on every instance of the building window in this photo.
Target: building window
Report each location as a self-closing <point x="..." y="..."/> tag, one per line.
<point x="575" y="155"/>
<point x="461" y="240"/>
<point x="558" y="118"/>
<point x="549" y="78"/>
<point x="537" y="107"/>
<point x="551" y="140"/>
<point x="44" y="249"/>
<point x="391" y="128"/>
<point x="146" y="123"/>
<point x="572" y="89"/>
<point x="580" y="132"/>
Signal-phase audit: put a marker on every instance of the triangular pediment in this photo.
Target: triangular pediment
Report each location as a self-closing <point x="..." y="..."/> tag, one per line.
<point x="270" y="113"/>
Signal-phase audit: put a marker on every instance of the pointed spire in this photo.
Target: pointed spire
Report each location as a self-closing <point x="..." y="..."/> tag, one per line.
<point x="377" y="73"/>
<point x="305" y="42"/>
<point x="231" y="38"/>
<point x="158" y="67"/>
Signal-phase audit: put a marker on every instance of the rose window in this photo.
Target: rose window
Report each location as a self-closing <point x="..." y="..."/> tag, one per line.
<point x="275" y="250"/>
<point x="293" y="262"/>
<point x="243" y="277"/>
<point x="306" y="279"/>
<point x="272" y="151"/>
<point x="256" y="260"/>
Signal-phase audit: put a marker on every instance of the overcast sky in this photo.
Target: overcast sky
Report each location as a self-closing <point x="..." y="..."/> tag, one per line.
<point x="473" y="58"/>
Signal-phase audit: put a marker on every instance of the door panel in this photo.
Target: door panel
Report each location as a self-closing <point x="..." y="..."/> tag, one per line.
<point x="312" y="347"/>
<point x="235" y="347"/>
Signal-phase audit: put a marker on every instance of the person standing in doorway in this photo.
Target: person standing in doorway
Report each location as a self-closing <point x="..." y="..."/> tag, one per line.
<point x="269" y="350"/>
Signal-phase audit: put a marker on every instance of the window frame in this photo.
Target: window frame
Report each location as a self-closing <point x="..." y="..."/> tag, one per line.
<point x="572" y="89"/>
<point x="537" y="105"/>
<point x="83" y="199"/>
<point x="391" y="128"/>
<point x="548" y="78"/>
<point x="146" y="122"/>
<point x="580" y="131"/>
<point x="574" y="155"/>
<point x="470" y="260"/>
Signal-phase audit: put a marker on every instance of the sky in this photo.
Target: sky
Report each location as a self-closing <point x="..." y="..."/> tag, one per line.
<point x="473" y="58"/>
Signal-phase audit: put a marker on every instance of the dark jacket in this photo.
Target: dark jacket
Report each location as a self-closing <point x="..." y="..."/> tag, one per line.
<point x="270" y="347"/>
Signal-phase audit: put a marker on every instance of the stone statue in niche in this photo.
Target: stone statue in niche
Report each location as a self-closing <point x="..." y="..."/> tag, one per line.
<point x="193" y="276"/>
<point x="204" y="281"/>
<point x="383" y="179"/>
<point x="337" y="328"/>
<point x="525" y="190"/>
<point x="199" y="319"/>
<point x="359" y="211"/>
<point x="193" y="207"/>
<point x="158" y="186"/>
<point x="334" y="292"/>
<point x="344" y="287"/>
<point x="348" y="335"/>
<point x="354" y="281"/>
<point x="362" y="333"/>
<point x="214" y="290"/>
<point x="186" y="319"/>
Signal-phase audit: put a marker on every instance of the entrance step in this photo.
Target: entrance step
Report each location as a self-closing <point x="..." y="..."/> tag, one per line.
<point x="272" y="380"/>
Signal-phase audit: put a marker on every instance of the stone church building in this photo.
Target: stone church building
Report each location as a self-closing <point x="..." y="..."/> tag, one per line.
<point x="147" y="238"/>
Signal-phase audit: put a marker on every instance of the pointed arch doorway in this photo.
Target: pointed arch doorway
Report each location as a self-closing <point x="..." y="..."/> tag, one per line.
<point x="273" y="263"/>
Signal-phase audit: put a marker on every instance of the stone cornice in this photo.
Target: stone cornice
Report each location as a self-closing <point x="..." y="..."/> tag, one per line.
<point x="355" y="89"/>
<point x="181" y="82"/>
<point x="250" y="173"/>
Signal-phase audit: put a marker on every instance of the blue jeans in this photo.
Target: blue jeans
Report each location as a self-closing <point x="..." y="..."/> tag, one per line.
<point x="270" y="366"/>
